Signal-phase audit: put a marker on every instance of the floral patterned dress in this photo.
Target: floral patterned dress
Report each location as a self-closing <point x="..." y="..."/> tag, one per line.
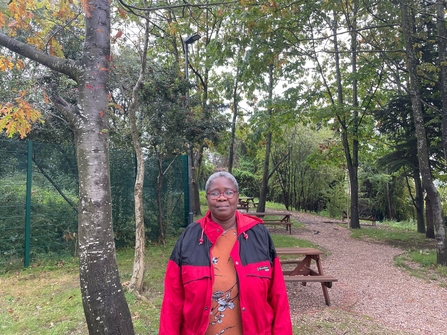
<point x="225" y="315"/>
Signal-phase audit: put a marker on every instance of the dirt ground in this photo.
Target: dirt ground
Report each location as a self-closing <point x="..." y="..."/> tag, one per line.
<point x="369" y="285"/>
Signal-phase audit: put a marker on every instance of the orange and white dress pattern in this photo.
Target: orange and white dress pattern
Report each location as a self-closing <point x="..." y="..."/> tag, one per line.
<point x="225" y="315"/>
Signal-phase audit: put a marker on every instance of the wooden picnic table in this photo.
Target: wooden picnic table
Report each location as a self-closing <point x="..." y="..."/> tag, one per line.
<point x="302" y="271"/>
<point x="274" y="218"/>
<point x="244" y="203"/>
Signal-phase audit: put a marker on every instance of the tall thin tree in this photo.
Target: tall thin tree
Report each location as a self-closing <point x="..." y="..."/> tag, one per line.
<point x="407" y="15"/>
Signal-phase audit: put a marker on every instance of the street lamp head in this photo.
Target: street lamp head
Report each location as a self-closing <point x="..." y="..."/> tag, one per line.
<point x="191" y="39"/>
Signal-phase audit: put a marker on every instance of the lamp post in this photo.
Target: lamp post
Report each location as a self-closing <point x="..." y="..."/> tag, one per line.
<point x="189" y="40"/>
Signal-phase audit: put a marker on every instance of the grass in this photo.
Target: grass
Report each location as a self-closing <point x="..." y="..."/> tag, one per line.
<point x="284" y="241"/>
<point x="45" y="298"/>
<point x="275" y="206"/>
<point x="419" y="258"/>
<point x="391" y="235"/>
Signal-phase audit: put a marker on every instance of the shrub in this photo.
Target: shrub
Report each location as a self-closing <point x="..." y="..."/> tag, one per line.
<point x="248" y="184"/>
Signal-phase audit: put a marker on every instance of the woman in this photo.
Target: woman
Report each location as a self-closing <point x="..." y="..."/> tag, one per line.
<point x="223" y="276"/>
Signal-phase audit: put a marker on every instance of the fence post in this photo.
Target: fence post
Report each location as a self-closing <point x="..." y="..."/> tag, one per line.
<point x="28" y="203"/>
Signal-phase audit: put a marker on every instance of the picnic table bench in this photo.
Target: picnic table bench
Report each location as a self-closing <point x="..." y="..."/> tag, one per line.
<point x="302" y="272"/>
<point x="274" y="218"/>
<point x="370" y="217"/>
<point x="244" y="203"/>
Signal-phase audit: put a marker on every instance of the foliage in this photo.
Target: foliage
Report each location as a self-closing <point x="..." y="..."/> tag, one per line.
<point x="396" y="121"/>
<point x="18" y="116"/>
<point x="336" y="199"/>
<point x="27" y="21"/>
<point x="17" y="113"/>
<point x="248" y="183"/>
<point x="301" y="182"/>
<point x="376" y="188"/>
<point x="228" y="66"/>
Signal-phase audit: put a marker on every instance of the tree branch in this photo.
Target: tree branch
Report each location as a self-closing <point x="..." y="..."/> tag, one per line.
<point x="282" y="160"/>
<point x="186" y="4"/>
<point x="68" y="110"/>
<point x="64" y="66"/>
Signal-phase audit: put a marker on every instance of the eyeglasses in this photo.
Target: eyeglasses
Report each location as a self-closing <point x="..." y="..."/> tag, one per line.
<point x="229" y="194"/>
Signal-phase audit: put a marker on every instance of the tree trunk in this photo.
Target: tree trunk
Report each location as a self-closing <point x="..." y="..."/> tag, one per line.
<point x="103" y="299"/>
<point x="422" y="146"/>
<point x="419" y="202"/>
<point x="233" y="125"/>
<point x="351" y="160"/>
<point x="354" y="166"/>
<point x="442" y="47"/>
<point x="196" y="162"/>
<point x="389" y="209"/>
<point x="268" y="144"/>
<point x="136" y="281"/>
<point x="265" y="174"/>
<point x="430" y="232"/>
<point x="105" y="307"/>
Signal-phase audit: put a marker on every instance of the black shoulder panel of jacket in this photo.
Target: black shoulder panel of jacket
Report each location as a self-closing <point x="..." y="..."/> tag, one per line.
<point x="188" y="250"/>
<point x="257" y="247"/>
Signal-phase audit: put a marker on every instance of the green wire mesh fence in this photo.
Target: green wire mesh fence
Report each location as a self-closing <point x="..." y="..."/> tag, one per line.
<point x="38" y="199"/>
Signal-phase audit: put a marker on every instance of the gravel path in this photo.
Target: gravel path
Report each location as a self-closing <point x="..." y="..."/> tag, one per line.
<point x="368" y="283"/>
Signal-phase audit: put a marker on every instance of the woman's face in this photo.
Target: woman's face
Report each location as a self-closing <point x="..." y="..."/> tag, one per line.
<point x="222" y="209"/>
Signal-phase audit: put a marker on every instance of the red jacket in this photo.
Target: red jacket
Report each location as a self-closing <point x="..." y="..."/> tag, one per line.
<point x="189" y="280"/>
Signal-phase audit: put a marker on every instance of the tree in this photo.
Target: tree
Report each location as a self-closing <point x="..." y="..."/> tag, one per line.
<point x="105" y="307"/>
<point x="266" y="174"/>
<point x="442" y="47"/>
<point x="408" y="9"/>
<point x="396" y="121"/>
<point x="305" y="178"/>
<point x="136" y="281"/>
<point x="268" y="64"/>
<point x="167" y="121"/>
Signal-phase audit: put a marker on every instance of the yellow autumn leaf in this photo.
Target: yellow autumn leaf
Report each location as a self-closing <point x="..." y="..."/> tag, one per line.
<point x="5" y="64"/>
<point x="172" y="29"/>
<point x="56" y="48"/>
<point x="36" y="42"/>
<point x="2" y="65"/>
<point x="20" y="65"/>
<point x="18" y="117"/>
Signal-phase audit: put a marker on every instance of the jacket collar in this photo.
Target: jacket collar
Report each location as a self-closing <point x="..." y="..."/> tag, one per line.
<point x="213" y="230"/>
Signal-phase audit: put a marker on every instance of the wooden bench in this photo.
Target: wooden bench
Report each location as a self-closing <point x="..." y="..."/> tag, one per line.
<point x="274" y="218"/>
<point x="243" y="205"/>
<point x="326" y="280"/>
<point x="302" y="272"/>
<point x="371" y="218"/>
